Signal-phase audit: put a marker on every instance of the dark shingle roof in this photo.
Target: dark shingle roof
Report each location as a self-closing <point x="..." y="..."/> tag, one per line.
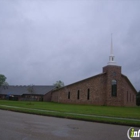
<point x="19" y="90"/>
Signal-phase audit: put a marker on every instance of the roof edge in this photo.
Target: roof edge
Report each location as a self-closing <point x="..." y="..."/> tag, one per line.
<point x="81" y="81"/>
<point x="129" y="82"/>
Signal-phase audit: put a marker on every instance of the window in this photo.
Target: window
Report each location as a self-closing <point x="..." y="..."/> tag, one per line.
<point x="114" y="88"/>
<point x="127" y="96"/>
<point x="68" y="95"/>
<point x="88" y="94"/>
<point x="78" y="94"/>
<point x="133" y="98"/>
<point x="130" y="97"/>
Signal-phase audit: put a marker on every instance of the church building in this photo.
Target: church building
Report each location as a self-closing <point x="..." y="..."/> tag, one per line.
<point x="110" y="88"/>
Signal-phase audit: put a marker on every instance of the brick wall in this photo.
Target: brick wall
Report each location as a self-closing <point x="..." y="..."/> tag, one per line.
<point x="94" y="85"/>
<point x="113" y="73"/>
<point x="129" y="93"/>
<point x="47" y="97"/>
<point x="100" y="90"/>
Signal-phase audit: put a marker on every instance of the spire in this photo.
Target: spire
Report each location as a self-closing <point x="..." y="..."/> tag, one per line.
<point x="111" y="52"/>
<point x="111" y="57"/>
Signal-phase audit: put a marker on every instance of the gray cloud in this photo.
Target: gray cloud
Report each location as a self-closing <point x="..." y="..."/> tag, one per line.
<point x="45" y="41"/>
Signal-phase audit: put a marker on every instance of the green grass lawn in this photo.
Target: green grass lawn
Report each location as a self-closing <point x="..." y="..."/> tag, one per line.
<point x="63" y="109"/>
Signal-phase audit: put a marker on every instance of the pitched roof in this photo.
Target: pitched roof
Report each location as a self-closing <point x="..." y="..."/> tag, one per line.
<point x="19" y="90"/>
<point x="81" y="81"/>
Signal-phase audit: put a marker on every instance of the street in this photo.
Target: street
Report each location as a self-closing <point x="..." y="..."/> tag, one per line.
<point x="20" y="126"/>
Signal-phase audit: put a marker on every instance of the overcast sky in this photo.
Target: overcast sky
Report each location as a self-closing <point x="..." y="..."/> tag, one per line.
<point x="43" y="41"/>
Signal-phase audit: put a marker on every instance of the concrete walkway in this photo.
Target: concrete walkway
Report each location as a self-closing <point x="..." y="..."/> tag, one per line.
<point x="95" y="116"/>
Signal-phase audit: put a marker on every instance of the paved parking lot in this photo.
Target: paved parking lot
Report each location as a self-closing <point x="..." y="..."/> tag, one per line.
<point x="20" y="126"/>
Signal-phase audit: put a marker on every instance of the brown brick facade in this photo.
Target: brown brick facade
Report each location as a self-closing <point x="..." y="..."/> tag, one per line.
<point x="129" y="94"/>
<point x="97" y="90"/>
<point x="85" y="87"/>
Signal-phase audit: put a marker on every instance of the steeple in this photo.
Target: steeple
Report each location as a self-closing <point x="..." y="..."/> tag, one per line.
<point x="111" y="57"/>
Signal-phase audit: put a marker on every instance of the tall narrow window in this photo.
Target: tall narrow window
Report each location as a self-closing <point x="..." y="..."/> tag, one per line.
<point x="130" y="97"/>
<point x="88" y="94"/>
<point x="127" y="96"/>
<point x="78" y="94"/>
<point x="68" y="95"/>
<point x="133" y="98"/>
<point x="114" y="88"/>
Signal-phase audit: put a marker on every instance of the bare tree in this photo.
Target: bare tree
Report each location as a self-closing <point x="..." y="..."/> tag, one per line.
<point x="30" y="89"/>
